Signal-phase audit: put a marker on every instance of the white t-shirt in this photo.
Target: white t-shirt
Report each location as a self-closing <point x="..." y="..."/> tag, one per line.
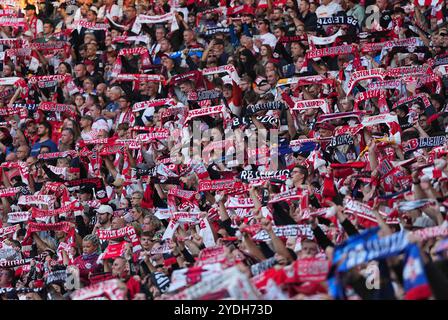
<point x="325" y="11"/>
<point x="267" y="38"/>
<point x="115" y="11"/>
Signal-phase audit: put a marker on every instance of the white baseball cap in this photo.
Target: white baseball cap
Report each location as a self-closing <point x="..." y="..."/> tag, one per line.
<point x="104" y="208"/>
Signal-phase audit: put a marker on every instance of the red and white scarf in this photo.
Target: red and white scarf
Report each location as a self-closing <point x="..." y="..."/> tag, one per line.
<point x="16" y="217"/>
<point x="64" y="226"/>
<point x="8" y="230"/>
<point x="143" y="105"/>
<point x="229" y="69"/>
<point x="127" y="231"/>
<point x="110" y="290"/>
<point x="9" y="192"/>
<point x="361" y="75"/>
<point x="143" y="53"/>
<point x="203" y="112"/>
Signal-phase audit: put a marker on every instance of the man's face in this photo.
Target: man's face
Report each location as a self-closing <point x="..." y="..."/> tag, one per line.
<point x="262" y="26"/>
<point x="297" y="175"/>
<point x="42" y="130"/>
<point x="47" y="28"/>
<point x="218" y="49"/>
<point x="325" y="132"/>
<point x="29" y="13"/>
<point x="130" y="13"/>
<point x="271" y="78"/>
<point x="117" y="223"/>
<point x="22" y="153"/>
<point x="160" y="34"/>
<point x="5" y="280"/>
<point x="136" y="200"/>
<point x="422" y="121"/>
<point x="123" y="104"/>
<point x="101" y="88"/>
<point x="188" y="36"/>
<point x="277" y="14"/>
<point x="165" y="46"/>
<point x="66" y="137"/>
<point x="303" y="6"/>
<point x="91" y="50"/>
<point x="309" y="250"/>
<point x="185" y="88"/>
<point x="381" y="4"/>
<point x="91" y="16"/>
<point x="103" y="218"/>
<point x="114" y="95"/>
<point x="296" y="49"/>
<point x="80" y="71"/>
<point x="278" y="33"/>
<point x="94" y="112"/>
<point x="152" y="88"/>
<point x="146" y="242"/>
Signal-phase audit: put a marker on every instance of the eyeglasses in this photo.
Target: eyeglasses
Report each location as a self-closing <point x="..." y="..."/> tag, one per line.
<point x="136" y="198"/>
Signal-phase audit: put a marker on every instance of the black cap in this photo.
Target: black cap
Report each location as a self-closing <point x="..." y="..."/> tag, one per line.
<point x="30" y="7"/>
<point x="86" y="189"/>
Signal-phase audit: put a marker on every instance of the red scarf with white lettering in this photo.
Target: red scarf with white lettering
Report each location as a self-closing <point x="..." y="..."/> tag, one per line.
<point x="127" y="231"/>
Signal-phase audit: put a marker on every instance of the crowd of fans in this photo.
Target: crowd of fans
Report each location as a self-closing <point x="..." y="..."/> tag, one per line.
<point x="255" y="149"/>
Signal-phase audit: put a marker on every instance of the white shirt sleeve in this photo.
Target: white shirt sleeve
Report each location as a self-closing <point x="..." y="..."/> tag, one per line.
<point x="39" y="26"/>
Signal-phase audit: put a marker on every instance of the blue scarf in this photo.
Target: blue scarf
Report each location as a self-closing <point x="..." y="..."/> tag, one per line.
<point x="368" y="246"/>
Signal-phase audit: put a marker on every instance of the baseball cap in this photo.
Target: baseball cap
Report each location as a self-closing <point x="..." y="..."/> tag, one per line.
<point x="30" y="7"/>
<point x="104" y="208"/>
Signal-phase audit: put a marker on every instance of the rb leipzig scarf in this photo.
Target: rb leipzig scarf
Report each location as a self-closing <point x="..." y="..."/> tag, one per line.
<point x="427" y="142"/>
<point x="338" y="20"/>
<point x="275" y="105"/>
<point x="216" y="185"/>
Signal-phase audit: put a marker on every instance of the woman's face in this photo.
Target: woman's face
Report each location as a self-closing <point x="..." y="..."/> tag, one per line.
<point x="88" y="247"/>
<point x="227" y="93"/>
<point x="264" y="51"/>
<point x="79" y="100"/>
<point x="62" y="69"/>
<point x="7" y="71"/>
